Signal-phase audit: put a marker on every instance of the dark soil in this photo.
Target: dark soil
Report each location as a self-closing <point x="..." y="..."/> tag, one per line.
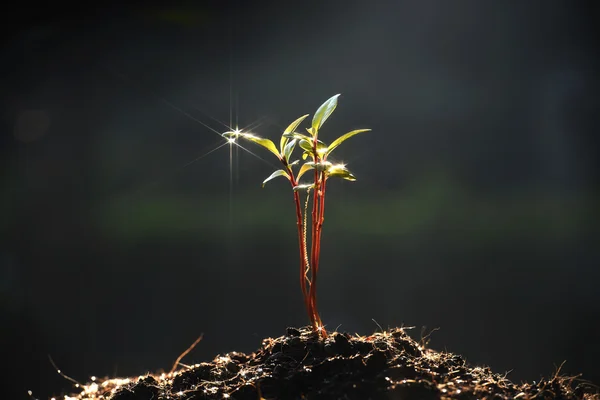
<point x="299" y="365"/>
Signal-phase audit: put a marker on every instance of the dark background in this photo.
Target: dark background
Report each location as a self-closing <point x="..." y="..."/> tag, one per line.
<point x="475" y="210"/>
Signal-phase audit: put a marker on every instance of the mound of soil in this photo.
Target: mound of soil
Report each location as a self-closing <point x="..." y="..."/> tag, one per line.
<point x="300" y="365"/>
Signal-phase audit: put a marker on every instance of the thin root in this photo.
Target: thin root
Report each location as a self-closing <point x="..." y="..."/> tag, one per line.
<point x="60" y="372"/>
<point x="185" y="353"/>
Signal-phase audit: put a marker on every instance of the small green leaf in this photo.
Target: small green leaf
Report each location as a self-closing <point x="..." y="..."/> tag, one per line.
<point x="290" y="129"/>
<point x="306" y="145"/>
<point x="323" y="113"/>
<point x="289" y="148"/>
<point x="293" y="163"/>
<point x="320" y="166"/>
<point x="342" y="138"/>
<point x="282" y="143"/>
<point x="348" y="176"/>
<point x="306" y="154"/>
<point x="304" y="187"/>
<point x="275" y="174"/>
<point x="296" y="135"/>
<point x="340" y="171"/>
<point x="304" y="168"/>
<point x="266" y="143"/>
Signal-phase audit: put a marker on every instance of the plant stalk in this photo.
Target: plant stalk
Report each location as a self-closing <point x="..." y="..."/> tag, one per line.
<point x="320" y="229"/>
<point x="301" y="243"/>
<point x="318" y="200"/>
<point x="302" y="248"/>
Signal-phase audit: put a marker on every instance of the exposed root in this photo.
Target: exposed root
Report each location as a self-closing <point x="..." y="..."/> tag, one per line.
<point x="185" y="353"/>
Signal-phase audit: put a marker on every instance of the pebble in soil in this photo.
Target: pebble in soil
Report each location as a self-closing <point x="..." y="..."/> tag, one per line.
<point x="300" y="365"/>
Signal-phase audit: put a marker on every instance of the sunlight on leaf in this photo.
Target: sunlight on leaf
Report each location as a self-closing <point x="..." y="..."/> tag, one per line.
<point x="304" y="187"/>
<point x="342" y="138"/>
<point x="289" y="148"/>
<point x="320" y="166"/>
<point x="303" y="169"/>
<point x="323" y="113"/>
<point x="340" y="171"/>
<point x="266" y="143"/>
<point x="275" y="174"/>
<point x="296" y="135"/>
<point x="306" y="145"/>
<point x="290" y="129"/>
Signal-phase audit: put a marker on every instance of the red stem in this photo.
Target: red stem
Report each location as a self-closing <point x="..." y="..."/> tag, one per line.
<point x="313" y="248"/>
<point x="301" y="247"/>
<point x="321" y="218"/>
<point x="307" y="303"/>
<point x="317" y="217"/>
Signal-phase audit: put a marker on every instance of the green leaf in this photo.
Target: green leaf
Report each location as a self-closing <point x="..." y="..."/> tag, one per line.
<point x="282" y="143"/>
<point x="266" y="143"/>
<point x="275" y="174"/>
<point x="323" y="113"/>
<point x="306" y="145"/>
<point x="306" y="154"/>
<point x="304" y="168"/>
<point x="345" y="136"/>
<point x="340" y="171"/>
<point x="320" y="166"/>
<point x="290" y="129"/>
<point x="288" y="149"/>
<point x="293" y="163"/>
<point x="296" y="135"/>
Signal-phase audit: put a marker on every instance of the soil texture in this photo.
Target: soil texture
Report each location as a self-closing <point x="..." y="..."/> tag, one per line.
<point x="300" y="365"/>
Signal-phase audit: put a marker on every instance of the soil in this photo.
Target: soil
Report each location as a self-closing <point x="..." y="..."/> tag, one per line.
<point x="300" y="365"/>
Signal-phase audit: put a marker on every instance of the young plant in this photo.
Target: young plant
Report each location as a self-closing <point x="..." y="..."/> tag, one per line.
<point x="315" y="154"/>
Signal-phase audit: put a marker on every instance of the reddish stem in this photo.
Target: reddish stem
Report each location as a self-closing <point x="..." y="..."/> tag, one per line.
<point x="313" y="247"/>
<point x="299" y="223"/>
<point x="301" y="244"/>
<point x="320" y="233"/>
<point x="318" y="201"/>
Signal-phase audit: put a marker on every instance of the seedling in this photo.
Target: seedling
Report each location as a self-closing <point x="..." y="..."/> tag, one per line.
<point x="315" y="154"/>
